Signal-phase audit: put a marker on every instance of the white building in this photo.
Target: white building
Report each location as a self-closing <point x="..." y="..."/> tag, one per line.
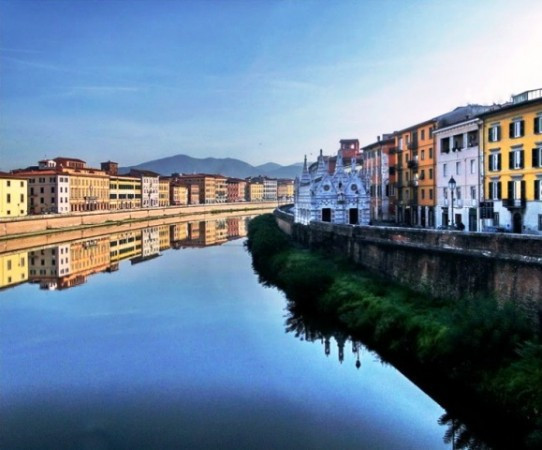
<point x="341" y="197"/>
<point x="459" y="157"/>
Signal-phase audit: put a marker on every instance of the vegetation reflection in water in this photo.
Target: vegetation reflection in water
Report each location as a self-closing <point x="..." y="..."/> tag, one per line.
<point x="308" y="327"/>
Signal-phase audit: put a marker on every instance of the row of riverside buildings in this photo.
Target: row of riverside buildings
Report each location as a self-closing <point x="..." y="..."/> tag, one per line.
<point x="477" y="168"/>
<point x="67" y="185"/>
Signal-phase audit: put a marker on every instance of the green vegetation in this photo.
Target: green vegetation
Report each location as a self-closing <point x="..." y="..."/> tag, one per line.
<point x="484" y="349"/>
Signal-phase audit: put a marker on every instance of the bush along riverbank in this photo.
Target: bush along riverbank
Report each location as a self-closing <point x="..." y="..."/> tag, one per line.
<point x="481" y="361"/>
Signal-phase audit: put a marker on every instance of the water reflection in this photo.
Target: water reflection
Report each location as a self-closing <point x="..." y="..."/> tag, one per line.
<point x="70" y="264"/>
<point x="308" y="327"/>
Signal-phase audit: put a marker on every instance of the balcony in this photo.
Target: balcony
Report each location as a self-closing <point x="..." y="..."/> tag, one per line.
<point x="413" y="164"/>
<point x="413" y="145"/>
<point x="515" y="203"/>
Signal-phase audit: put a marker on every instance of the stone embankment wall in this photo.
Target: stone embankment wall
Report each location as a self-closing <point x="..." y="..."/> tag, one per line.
<point x="35" y="224"/>
<point x="449" y="264"/>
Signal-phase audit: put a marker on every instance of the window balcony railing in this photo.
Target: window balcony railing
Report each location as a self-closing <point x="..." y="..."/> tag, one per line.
<point x="515" y="202"/>
<point x="413" y="164"/>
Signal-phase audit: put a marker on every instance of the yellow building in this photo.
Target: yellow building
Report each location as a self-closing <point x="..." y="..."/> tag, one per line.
<point x="163" y="191"/>
<point x="124" y="192"/>
<point x="512" y="163"/>
<point x="13" y="269"/>
<point x="178" y="194"/>
<point x="124" y="245"/>
<point x="13" y="196"/>
<point x="285" y="190"/>
<point x="254" y="192"/>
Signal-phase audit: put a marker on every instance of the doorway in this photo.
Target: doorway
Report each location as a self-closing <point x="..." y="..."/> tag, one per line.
<point x="353" y="215"/>
<point x="517" y="222"/>
<point x="326" y="215"/>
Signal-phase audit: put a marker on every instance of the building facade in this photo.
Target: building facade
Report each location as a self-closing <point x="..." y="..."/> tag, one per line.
<point x="458" y="160"/>
<point x="340" y="197"/>
<point x="150" y="187"/>
<point x="512" y="158"/>
<point x="13" y="195"/>
<point x="376" y="163"/>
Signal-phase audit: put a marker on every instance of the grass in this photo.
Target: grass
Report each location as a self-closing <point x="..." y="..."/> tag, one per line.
<point x="487" y="349"/>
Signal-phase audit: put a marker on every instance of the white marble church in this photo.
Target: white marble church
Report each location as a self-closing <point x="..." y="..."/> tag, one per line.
<point x="341" y="197"/>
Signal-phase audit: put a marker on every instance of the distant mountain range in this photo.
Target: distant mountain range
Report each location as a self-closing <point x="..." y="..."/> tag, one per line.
<point x="224" y="166"/>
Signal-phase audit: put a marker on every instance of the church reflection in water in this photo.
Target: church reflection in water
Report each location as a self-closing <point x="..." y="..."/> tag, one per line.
<point x="69" y="264"/>
<point x="312" y="329"/>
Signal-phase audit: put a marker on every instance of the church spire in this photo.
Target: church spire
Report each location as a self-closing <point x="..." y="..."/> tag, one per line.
<point x="339" y="168"/>
<point x="321" y="170"/>
<point x="305" y="176"/>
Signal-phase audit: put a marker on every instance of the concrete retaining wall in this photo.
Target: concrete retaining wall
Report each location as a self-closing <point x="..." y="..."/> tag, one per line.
<point x="441" y="263"/>
<point x="33" y="224"/>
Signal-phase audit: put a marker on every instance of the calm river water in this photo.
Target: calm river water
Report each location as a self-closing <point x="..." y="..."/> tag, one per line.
<point x="155" y="338"/>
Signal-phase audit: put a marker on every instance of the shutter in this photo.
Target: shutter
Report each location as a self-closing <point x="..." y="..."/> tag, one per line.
<point x="511" y="130"/>
<point x="521" y="159"/>
<point x="499" y="133"/>
<point x="510" y="190"/>
<point x="537" y="189"/>
<point x="522" y="128"/>
<point x="490" y="163"/>
<point x="510" y="160"/>
<point x="537" y="124"/>
<point x="499" y="161"/>
<point x="489" y="135"/>
<point x="499" y="190"/>
<point x="523" y="189"/>
<point x="536" y="162"/>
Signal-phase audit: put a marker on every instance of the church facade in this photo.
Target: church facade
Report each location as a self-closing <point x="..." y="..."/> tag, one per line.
<point x="341" y="197"/>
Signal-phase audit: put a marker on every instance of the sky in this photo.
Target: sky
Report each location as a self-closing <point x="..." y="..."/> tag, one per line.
<point x="257" y="80"/>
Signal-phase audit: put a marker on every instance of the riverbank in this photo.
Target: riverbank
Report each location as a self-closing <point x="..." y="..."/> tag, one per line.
<point x="61" y="222"/>
<point x="471" y="348"/>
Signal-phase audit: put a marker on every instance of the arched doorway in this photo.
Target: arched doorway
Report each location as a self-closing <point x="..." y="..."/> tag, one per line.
<point x="517" y="222"/>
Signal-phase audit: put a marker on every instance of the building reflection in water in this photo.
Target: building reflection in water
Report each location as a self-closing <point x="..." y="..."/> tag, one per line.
<point x="62" y="266"/>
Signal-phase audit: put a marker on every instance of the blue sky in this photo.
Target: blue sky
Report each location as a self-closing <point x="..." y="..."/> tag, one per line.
<point x="256" y="80"/>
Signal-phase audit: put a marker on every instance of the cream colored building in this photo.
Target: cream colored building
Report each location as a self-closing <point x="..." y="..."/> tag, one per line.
<point x="13" y="195"/>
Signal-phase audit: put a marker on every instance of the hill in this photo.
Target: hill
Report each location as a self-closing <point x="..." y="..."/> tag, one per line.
<point x="230" y="167"/>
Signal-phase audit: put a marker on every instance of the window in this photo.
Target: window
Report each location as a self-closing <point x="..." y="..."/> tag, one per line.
<point x="495" y="190"/>
<point x="537" y="157"/>
<point x="422" y="135"/>
<point x="537" y="190"/>
<point x="472" y="166"/>
<point x="423" y="194"/>
<point x="496" y="219"/>
<point x="22" y="198"/>
<point x="516" y="159"/>
<point x="9" y="183"/>
<point x="445" y="170"/>
<point x="458" y="192"/>
<point x="431" y="153"/>
<point x="52" y="189"/>
<point x="516" y="189"/>
<point x="458" y="168"/>
<point x="41" y="190"/>
<point x="9" y="264"/>
<point x="495" y="162"/>
<point x="423" y="155"/>
<point x="473" y="192"/>
<point x="494" y="133"/>
<point x="517" y="128"/>
<point x="8" y="198"/>
<point x="430" y="194"/>
<point x="538" y="124"/>
<point x="445" y="192"/>
<point x="430" y="174"/>
<point x="540" y="222"/>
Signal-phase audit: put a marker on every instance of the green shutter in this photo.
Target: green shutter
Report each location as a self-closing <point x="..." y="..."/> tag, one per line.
<point x="522" y="159"/>
<point x="499" y="190"/>
<point x="537" y="189"/>
<point x="522" y="128"/>
<point x="498" y="161"/>
<point x="510" y="160"/>
<point x="536" y="162"/>
<point x="510" y="190"/>
<point x="523" y="190"/>
<point x="511" y="130"/>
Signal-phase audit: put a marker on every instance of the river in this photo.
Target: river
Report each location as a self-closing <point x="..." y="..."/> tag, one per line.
<point x="163" y="337"/>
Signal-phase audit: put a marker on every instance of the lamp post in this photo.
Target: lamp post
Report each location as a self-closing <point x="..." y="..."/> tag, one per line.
<point x="451" y="185"/>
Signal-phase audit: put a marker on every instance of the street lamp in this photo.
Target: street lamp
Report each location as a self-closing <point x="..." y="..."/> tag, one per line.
<point x="451" y="185"/>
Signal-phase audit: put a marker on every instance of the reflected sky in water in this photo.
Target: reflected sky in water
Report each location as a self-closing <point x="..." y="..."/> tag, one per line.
<point x="189" y="350"/>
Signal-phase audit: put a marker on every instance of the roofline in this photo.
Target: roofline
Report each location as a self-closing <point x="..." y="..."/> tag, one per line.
<point x="510" y="107"/>
<point x="456" y="125"/>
